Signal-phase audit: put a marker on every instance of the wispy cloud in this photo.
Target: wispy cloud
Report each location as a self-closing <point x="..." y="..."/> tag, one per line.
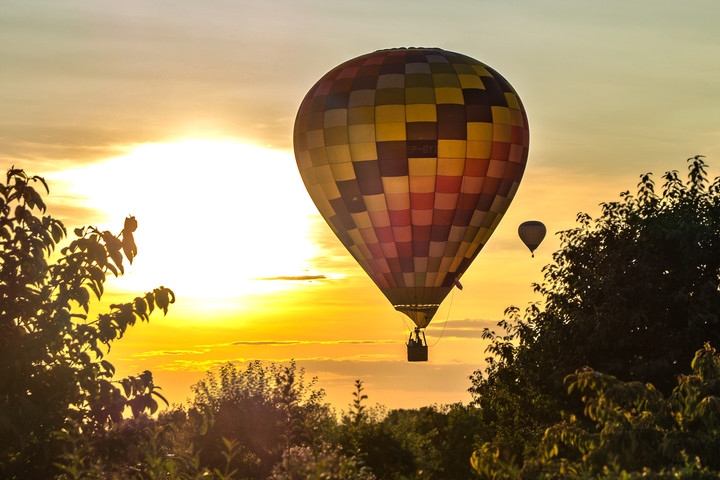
<point x="191" y="365"/>
<point x="454" y="329"/>
<point x="161" y="353"/>
<point x="307" y="342"/>
<point x="469" y="323"/>
<point x="462" y="328"/>
<point x="299" y="278"/>
<point x="312" y="277"/>
<point x="194" y="365"/>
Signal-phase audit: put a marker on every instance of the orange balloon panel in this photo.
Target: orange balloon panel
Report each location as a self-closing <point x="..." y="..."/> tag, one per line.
<point x="412" y="156"/>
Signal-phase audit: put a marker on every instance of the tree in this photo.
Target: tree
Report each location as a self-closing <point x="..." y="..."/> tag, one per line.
<point x="265" y="409"/>
<point x="363" y="434"/>
<point x="633" y="293"/>
<point x="634" y="431"/>
<point x="304" y="463"/>
<point x="441" y="439"/>
<point x="54" y="381"/>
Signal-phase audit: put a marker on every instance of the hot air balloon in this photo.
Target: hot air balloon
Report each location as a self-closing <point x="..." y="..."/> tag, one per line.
<point x="412" y="156"/>
<point x="532" y="233"/>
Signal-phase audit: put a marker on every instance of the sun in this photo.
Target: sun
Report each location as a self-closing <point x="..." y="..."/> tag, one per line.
<point x="217" y="220"/>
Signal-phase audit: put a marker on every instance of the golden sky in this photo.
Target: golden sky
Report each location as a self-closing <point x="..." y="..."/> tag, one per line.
<point x="181" y="113"/>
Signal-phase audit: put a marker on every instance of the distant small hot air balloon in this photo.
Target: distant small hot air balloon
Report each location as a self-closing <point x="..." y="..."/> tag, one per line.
<point x="532" y="233"/>
<point x="412" y="156"/>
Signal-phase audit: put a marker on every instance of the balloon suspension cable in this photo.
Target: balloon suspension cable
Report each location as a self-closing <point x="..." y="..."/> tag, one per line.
<point x="452" y="296"/>
<point x="406" y="327"/>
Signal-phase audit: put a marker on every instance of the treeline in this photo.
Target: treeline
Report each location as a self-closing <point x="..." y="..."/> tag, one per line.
<point x="612" y="375"/>
<point x="268" y="422"/>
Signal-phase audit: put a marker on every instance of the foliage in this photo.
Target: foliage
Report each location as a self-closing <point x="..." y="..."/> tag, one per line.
<point x="54" y="382"/>
<point x="633" y="431"/>
<point x="433" y="442"/>
<point x="362" y="433"/>
<point x="358" y="414"/>
<point x="265" y="409"/>
<point x="633" y="293"/>
<point x="247" y="407"/>
<point x="440" y="439"/>
<point x="302" y="463"/>
<point x="426" y="443"/>
<point x="144" y="448"/>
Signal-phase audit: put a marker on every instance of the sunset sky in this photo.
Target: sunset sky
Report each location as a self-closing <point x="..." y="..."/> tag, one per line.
<point x="181" y="114"/>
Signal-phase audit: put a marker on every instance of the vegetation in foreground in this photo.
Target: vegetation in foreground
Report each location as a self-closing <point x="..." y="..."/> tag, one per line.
<point x="592" y="383"/>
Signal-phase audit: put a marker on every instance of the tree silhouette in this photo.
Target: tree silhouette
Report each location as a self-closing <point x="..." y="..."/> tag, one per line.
<point x="54" y="381"/>
<point x="633" y="294"/>
<point x="628" y="430"/>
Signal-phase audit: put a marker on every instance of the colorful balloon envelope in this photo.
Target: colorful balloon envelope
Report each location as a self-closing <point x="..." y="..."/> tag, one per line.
<point x="412" y="156"/>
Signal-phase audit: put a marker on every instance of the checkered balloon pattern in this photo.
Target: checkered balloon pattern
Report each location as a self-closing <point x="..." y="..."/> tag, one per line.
<point x="412" y="156"/>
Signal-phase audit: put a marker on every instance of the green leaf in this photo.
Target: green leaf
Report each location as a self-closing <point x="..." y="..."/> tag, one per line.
<point x="58" y="232"/>
<point x="152" y="404"/>
<point x="140" y="307"/>
<point x="94" y="287"/>
<point x="129" y="247"/>
<point x="108" y="367"/>
<point x="42" y="180"/>
<point x="150" y="301"/>
<point x="127" y="386"/>
<point x="82" y="297"/>
<point x="157" y="394"/>
<point x="130" y="225"/>
<point x="161" y="299"/>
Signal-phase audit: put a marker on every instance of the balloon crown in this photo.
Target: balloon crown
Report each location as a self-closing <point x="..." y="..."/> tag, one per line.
<point x="406" y="48"/>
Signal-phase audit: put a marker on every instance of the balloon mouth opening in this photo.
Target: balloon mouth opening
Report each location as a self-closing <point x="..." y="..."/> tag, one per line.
<point x="420" y="314"/>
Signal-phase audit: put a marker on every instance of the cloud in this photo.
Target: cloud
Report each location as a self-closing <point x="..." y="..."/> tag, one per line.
<point x="312" y="277"/>
<point x="300" y="278"/>
<point x="161" y="353"/>
<point x="74" y="215"/>
<point x="383" y="377"/>
<point x="194" y="365"/>
<point x="345" y="367"/>
<point x="469" y="323"/>
<point x="462" y="328"/>
<point x="307" y="342"/>
<point x="191" y="365"/>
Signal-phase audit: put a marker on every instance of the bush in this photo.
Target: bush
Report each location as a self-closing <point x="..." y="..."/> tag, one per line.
<point x="629" y="430"/>
<point x="265" y="409"/>
<point x="327" y="463"/>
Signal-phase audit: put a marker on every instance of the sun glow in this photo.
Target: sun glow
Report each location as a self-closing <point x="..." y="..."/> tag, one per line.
<point x="217" y="220"/>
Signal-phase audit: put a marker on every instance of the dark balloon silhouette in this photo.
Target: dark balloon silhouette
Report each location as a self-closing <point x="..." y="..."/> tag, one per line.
<point x="532" y="234"/>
